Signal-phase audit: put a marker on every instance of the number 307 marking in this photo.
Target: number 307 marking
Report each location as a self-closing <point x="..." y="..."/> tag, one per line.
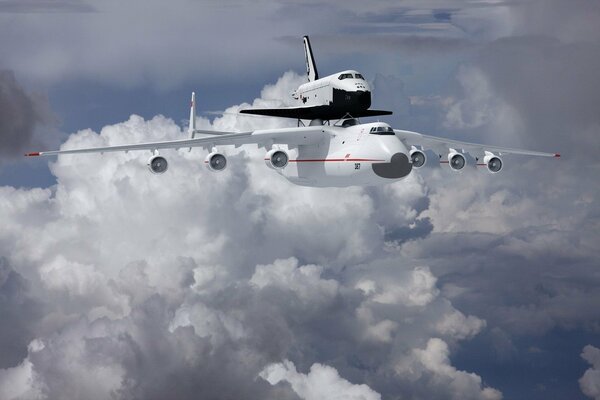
<point x="357" y="165"/>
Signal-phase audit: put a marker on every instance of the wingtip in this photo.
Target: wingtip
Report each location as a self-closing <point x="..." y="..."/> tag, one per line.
<point x="32" y="154"/>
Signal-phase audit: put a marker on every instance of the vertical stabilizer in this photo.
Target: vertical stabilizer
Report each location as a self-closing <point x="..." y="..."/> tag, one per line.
<point x="192" y="126"/>
<point x="311" y="67"/>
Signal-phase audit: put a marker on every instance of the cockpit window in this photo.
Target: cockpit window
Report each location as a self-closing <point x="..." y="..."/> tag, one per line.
<point x="381" y="130"/>
<point x="345" y="76"/>
<point x="359" y="76"/>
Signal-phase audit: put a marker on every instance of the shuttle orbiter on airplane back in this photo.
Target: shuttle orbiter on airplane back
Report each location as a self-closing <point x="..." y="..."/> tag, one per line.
<point x="344" y="94"/>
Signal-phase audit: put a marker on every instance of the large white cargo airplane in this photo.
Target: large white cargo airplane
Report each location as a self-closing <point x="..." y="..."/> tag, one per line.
<point x="343" y="154"/>
<point x="332" y="97"/>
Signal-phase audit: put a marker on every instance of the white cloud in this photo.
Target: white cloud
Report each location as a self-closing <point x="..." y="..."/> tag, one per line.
<point x="420" y="290"/>
<point x="200" y="272"/>
<point x="457" y="325"/>
<point x="590" y="381"/>
<point x="19" y="382"/>
<point x="321" y="383"/>
<point x="434" y="359"/>
<point x="305" y="280"/>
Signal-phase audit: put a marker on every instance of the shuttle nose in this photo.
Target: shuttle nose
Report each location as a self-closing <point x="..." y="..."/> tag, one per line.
<point x="364" y="99"/>
<point x="398" y="167"/>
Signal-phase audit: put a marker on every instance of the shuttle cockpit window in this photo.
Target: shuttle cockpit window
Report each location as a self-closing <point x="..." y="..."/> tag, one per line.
<point x="345" y="76"/>
<point x="359" y="76"/>
<point x="381" y="130"/>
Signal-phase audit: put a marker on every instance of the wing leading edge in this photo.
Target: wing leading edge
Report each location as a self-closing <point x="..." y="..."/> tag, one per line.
<point x="443" y="145"/>
<point x="294" y="136"/>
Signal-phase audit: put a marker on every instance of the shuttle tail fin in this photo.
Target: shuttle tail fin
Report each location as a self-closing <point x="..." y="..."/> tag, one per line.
<point x="192" y="127"/>
<point x="311" y="67"/>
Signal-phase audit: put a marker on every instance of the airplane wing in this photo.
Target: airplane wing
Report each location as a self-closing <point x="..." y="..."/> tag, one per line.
<point x="443" y="145"/>
<point x="312" y="112"/>
<point x="290" y="136"/>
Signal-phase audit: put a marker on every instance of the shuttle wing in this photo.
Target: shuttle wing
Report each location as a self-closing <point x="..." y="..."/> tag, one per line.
<point x="443" y="145"/>
<point x="312" y="112"/>
<point x="290" y="136"/>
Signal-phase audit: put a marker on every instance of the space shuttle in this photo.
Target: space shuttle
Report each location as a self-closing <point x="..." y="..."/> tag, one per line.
<point x="345" y="94"/>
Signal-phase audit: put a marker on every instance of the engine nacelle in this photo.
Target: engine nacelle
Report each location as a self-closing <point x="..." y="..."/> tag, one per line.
<point x="158" y="164"/>
<point x="456" y="160"/>
<point x="276" y="159"/>
<point x="492" y="162"/>
<point x="215" y="162"/>
<point x="417" y="157"/>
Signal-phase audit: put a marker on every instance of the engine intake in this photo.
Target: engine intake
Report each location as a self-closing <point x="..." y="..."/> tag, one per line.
<point x="276" y="159"/>
<point x="492" y="162"/>
<point x="417" y="157"/>
<point x="158" y="164"/>
<point x="456" y="161"/>
<point x="215" y="162"/>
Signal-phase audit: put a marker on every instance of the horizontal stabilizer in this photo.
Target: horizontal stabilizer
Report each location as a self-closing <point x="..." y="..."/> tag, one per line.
<point x="316" y="112"/>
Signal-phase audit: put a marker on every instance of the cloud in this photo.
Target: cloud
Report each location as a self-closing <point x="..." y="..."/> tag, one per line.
<point x="434" y="358"/>
<point x="19" y="309"/>
<point x="321" y="382"/>
<point x="188" y="282"/>
<point x="164" y="286"/>
<point x="20" y="114"/>
<point x="590" y="381"/>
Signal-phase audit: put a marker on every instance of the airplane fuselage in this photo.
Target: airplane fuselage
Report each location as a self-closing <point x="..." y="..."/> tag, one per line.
<point x="363" y="155"/>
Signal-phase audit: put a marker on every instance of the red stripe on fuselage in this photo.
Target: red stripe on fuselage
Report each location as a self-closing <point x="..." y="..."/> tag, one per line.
<point x="337" y="160"/>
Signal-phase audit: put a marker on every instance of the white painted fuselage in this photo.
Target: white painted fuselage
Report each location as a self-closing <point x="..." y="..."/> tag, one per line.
<point x="346" y="157"/>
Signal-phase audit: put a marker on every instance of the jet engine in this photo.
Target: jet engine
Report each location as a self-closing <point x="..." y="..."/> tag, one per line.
<point x="215" y="162"/>
<point x="276" y="159"/>
<point x="456" y="160"/>
<point x="417" y="157"/>
<point x="157" y="164"/>
<point x="492" y="162"/>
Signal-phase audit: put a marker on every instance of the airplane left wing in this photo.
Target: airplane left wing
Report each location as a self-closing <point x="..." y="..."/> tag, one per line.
<point x="455" y="150"/>
<point x="265" y="137"/>
<point x="443" y="145"/>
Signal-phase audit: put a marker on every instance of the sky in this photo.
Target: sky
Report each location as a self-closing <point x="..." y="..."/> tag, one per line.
<point x="116" y="283"/>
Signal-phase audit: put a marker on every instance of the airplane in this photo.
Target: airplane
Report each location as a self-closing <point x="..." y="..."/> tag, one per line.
<point x="329" y="98"/>
<point x="346" y="153"/>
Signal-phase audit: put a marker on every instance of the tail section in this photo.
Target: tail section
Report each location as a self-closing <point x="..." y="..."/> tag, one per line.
<point x="192" y="127"/>
<point x="311" y="67"/>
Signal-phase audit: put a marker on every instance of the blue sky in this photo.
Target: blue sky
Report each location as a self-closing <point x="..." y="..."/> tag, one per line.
<point x="114" y="282"/>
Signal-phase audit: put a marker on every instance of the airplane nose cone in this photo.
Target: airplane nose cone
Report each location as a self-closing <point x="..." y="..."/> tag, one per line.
<point x="398" y="167"/>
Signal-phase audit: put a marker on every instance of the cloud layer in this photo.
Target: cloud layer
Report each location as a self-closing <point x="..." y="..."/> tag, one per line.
<point x="161" y="286"/>
<point x="115" y="282"/>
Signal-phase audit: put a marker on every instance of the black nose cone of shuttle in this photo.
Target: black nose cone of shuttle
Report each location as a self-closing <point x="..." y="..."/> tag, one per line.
<point x="350" y="101"/>
<point x="364" y="100"/>
<point x="398" y="167"/>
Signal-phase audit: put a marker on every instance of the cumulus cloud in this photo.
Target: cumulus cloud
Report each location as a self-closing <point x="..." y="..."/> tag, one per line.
<point x="153" y="286"/>
<point x="590" y="381"/>
<point x="321" y="382"/>
<point x="434" y="358"/>
<point x="158" y="284"/>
